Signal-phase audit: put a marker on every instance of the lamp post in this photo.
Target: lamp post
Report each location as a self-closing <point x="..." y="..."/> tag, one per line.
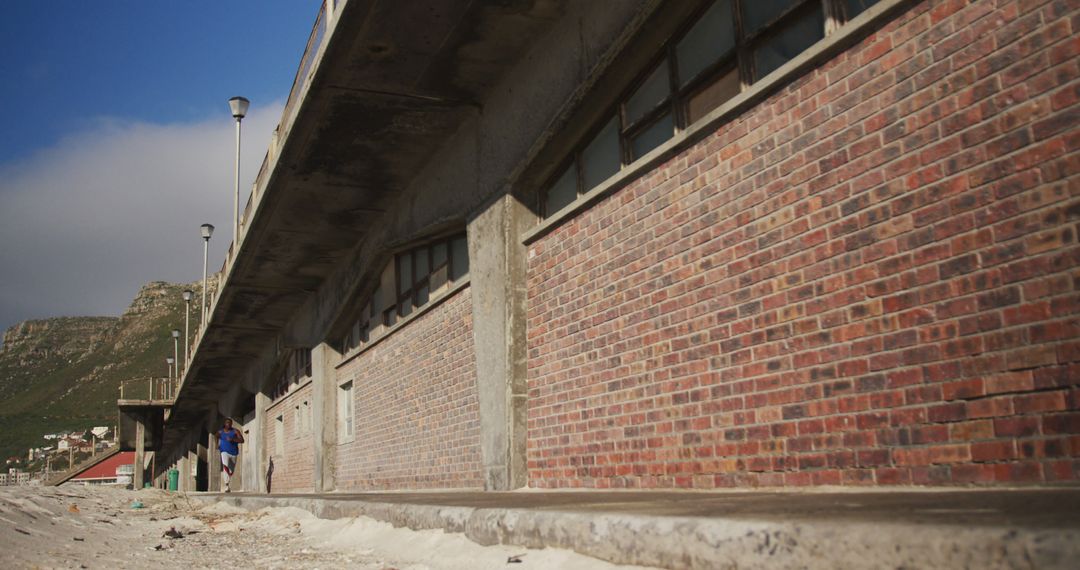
<point x="207" y="231"/>
<point x="187" y="295"/>
<point x="239" y="107"/>
<point x="168" y="360"/>
<point x="176" y="350"/>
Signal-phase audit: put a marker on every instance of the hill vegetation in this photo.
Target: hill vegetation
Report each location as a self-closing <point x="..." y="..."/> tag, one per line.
<point x="64" y="373"/>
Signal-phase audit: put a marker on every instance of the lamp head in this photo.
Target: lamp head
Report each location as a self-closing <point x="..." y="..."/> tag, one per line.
<point x="207" y="231"/>
<point x="239" y="107"/>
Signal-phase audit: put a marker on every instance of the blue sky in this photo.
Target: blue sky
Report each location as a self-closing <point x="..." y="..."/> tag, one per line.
<point x="117" y="139"/>
<point x="68" y="63"/>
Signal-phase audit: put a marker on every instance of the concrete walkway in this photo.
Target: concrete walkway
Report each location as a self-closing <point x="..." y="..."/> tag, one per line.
<point x="952" y="528"/>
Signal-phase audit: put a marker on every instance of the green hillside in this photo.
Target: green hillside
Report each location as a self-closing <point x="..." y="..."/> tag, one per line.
<point x="64" y="373"/>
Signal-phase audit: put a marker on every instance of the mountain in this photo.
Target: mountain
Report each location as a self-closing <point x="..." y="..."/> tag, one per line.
<point x="65" y="373"/>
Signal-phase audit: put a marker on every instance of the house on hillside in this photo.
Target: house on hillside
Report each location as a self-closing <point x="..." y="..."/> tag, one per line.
<point x="652" y="244"/>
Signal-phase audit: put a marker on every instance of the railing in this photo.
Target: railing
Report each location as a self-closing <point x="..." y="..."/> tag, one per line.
<point x="324" y="21"/>
<point x="318" y="32"/>
<point x="151" y="389"/>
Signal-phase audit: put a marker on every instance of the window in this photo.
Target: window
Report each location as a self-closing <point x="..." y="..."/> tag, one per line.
<point x="279" y="435"/>
<point x="297" y="368"/>
<point x="727" y="46"/>
<point x="302" y="415"/>
<point x="345" y="412"/>
<point x="408" y="283"/>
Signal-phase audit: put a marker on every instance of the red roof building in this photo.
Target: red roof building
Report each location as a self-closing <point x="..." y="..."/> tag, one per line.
<point x="106" y="471"/>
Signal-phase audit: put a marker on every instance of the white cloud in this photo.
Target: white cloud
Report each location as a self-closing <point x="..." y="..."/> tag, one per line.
<point x="86" y="223"/>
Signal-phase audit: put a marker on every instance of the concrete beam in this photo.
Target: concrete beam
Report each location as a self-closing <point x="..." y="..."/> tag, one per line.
<point x="258" y="454"/>
<point x="497" y="277"/>
<point x="213" y="456"/>
<point x="140" y="453"/>
<point x="191" y="461"/>
<point x="324" y="415"/>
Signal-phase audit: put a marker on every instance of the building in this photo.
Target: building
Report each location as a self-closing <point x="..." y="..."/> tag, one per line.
<point x="116" y="469"/>
<point x="654" y="244"/>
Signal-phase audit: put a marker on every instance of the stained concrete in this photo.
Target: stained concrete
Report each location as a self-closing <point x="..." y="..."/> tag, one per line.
<point x="1016" y="528"/>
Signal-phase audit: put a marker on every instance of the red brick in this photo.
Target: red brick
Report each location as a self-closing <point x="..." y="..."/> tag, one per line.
<point x="886" y="295"/>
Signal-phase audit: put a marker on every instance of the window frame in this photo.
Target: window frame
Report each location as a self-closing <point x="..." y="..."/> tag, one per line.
<point x="740" y="59"/>
<point x="404" y="300"/>
<point x="346" y="412"/>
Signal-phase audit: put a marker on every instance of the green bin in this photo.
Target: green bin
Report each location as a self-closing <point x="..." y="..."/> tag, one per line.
<point x="174" y="479"/>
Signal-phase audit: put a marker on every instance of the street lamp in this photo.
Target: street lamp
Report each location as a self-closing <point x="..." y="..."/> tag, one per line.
<point x="169" y="360"/>
<point x="239" y="107"/>
<point x="187" y="295"/>
<point x="207" y="231"/>
<point x="176" y="349"/>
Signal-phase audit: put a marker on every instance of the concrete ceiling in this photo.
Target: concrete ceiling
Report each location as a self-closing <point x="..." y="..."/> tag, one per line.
<point x="396" y="79"/>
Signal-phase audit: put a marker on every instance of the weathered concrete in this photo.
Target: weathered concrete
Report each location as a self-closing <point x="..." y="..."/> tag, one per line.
<point x="140" y="454"/>
<point x="390" y="121"/>
<point x="324" y="414"/>
<point x="498" y="305"/>
<point x="854" y="529"/>
<point x="213" y="457"/>
<point x="191" y="461"/>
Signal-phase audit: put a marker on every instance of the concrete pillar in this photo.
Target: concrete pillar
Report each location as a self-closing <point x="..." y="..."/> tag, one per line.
<point x="140" y="453"/>
<point x="260" y="456"/>
<point x="497" y="276"/>
<point x="213" y="457"/>
<point x="182" y="467"/>
<point x="324" y="415"/>
<point x="187" y="474"/>
<point x="202" y="457"/>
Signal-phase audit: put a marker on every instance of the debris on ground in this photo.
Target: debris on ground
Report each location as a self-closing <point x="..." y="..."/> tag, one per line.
<point x="100" y="533"/>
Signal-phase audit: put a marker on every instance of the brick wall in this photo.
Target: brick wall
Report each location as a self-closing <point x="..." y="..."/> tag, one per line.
<point x="417" y="413"/>
<point x="870" y="278"/>
<point x="294" y="470"/>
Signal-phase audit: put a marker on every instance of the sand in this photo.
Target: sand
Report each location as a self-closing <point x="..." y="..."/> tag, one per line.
<point x="96" y="527"/>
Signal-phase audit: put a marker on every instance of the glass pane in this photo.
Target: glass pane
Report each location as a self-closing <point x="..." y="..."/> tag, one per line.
<point x="438" y="254"/>
<point x="853" y="8"/>
<point x="653" y="136"/>
<point x="459" y="255"/>
<point x="422" y="268"/>
<point x="438" y="278"/>
<point x="713" y="95"/>
<point x="562" y="192"/>
<point x="406" y="308"/>
<point x="377" y="301"/>
<point x="422" y="295"/>
<point x="710" y="39"/>
<point x="757" y="13"/>
<point x="404" y="272"/>
<point x="792" y="40"/>
<point x="651" y="93"/>
<point x="601" y="158"/>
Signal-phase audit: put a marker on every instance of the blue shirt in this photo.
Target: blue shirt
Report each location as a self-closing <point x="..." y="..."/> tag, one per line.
<point x="230" y="447"/>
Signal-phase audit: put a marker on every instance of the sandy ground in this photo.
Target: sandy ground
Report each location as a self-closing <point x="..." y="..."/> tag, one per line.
<point x="97" y="527"/>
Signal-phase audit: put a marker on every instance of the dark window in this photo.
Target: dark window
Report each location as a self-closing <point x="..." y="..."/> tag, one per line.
<point x="297" y="367"/>
<point x="726" y="46"/>
<point x="408" y="283"/>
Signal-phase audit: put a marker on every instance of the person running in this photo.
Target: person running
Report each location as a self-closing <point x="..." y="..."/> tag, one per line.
<point x="229" y="440"/>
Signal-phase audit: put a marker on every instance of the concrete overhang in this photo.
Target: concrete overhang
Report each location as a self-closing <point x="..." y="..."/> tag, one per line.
<point x="391" y="82"/>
